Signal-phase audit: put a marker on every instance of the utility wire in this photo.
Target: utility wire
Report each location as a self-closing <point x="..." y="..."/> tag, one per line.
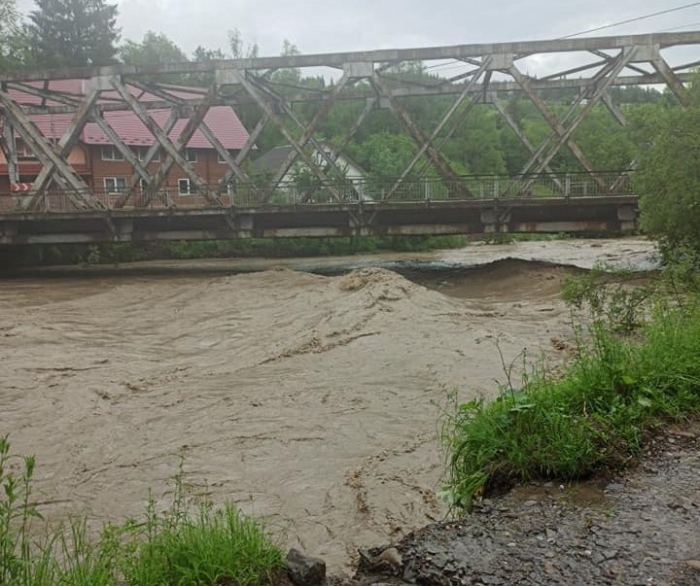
<point x="630" y="20"/>
<point x="676" y="28"/>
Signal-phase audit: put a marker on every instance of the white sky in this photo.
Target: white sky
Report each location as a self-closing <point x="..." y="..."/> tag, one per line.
<point x="318" y="26"/>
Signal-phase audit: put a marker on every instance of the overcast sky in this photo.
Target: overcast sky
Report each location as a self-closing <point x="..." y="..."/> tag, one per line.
<point x="317" y="26"/>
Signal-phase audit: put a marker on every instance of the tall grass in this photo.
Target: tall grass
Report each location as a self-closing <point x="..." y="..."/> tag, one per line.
<point x="197" y="545"/>
<point x="591" y="415"/>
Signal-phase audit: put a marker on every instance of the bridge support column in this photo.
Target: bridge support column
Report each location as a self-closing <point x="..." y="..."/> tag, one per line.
<point x="495" y="222"/>
<point x="245" y="226"/>
<point x="627" y="216"/>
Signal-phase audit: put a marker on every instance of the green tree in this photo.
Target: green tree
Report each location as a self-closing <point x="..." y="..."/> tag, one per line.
<point x="154" y="49"/>
<point x="669" y="178"/>
<point x="14" y="48"/>
<point x="238" y="48"/>
<point x="74" y="33"/>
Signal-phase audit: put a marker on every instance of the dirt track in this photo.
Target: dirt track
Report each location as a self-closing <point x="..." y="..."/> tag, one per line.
<point x="310" y="400"/>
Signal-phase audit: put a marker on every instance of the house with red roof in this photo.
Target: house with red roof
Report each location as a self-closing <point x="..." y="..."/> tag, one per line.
<point x="103" y="167"/>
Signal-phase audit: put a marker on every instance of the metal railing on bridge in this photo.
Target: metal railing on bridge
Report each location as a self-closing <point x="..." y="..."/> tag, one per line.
<point x="371" y="191"/>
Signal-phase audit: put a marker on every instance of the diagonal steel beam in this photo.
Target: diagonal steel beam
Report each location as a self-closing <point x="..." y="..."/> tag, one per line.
<point x="317" y="146"/>
<point x="614" y="110"/>
<point x="65" y="144"/>
<point x="255" y="93"/>
<point x="61" y="98"/>
<point x="223" y="153"/>
<point x="176" y="149"/>
<point x="521" y="135"/>
<point x="148" y="159"/>
<point x="578" y="69"/>
<point x="609" y="58"/>
<point x="425" y="143"/>
<point x="10" y="151"/>
<point x="76" y="189"/>
<point x="453" y="128"/>
<point x="156" y="90"/>
<point x="625" y="57"/>
<point x="308" y="131"/>
<point x="370" y="104"/>
<point x="173" y="150"/>
<point x="247" y="147"/>
<point x="117" y="141"/>
<point x="553" y="122"/>
<point x="671" y="79"/>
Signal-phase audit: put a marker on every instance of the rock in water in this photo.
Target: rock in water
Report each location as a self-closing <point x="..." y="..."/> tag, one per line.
<point x="304" y="570"/>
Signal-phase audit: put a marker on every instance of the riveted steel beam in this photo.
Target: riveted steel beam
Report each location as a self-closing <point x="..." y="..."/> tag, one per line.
<point x="553" y="122"/>
<point x="243" y="153"/>
<point x="521" y="135"/>
<point x="625" y="57"/>
<point x="173" y="150"/>
<point x="463" y="52"/>
<point x="65" y="146"/>
<point x="46" y="154"/>
<point x="672" y="80"/>
<point x="269" y="110"/>
<point x="308" y="132"/>
<point x="424" y="142"/>
<point x="148" y="159"/>
<point x="10" y="150"/>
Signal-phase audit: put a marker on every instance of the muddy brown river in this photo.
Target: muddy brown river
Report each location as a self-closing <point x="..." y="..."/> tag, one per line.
<point x="312" y="400"/>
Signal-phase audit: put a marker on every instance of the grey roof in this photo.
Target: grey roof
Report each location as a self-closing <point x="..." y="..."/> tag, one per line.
<point x="271" y="161"/>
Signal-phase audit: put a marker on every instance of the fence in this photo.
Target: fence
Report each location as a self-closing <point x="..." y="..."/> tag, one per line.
<point x="373" y="191"/>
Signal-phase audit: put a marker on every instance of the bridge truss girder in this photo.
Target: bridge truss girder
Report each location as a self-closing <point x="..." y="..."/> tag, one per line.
<point x="496" y="72"/>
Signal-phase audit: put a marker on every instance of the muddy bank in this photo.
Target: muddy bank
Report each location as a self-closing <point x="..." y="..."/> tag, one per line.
<point x="638" y="529"/>
<point x="310" y="400"/>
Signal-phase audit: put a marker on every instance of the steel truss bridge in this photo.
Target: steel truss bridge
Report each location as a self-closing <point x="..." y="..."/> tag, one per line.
<point x="427" y="197"/>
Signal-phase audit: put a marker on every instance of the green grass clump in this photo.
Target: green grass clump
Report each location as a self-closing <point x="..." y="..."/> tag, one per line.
<point x="593" y="416"/>
<point x="184" y="545"/>
<point x="211" y="547"/>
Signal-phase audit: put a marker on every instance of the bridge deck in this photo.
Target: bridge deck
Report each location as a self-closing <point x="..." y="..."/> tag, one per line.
<point x="479" y="216"/>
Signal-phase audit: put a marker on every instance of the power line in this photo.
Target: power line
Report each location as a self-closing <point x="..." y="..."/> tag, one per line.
<point x="675" y="28"/>
<point x="630" y="20"/>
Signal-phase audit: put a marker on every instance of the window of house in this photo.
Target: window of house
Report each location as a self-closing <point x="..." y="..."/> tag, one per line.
<point x="220" y="158"/>
<point x="24" y="152"/>
<point x="191" y="155"/>
<point x="142" y="185"/>
<point x="111" y="153"/>
<point x="115" y="184"/>
<point x="184" y="187"/>
<point x="142" y="152"/>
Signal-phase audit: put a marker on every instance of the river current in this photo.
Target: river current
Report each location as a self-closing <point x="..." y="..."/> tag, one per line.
<point x="307" y="391"/>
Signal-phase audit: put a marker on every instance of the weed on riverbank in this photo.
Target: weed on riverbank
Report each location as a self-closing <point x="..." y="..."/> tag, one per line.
<point x="591" y="415"/>
<point x="203" y="546"/>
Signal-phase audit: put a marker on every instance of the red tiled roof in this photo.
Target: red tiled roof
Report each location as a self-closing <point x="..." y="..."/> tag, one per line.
<point x="222" y="120"/>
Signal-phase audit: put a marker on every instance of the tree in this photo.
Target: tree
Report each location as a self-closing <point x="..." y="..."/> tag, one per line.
<point x="669" y="179"/>
<point x="13" y="45"/>
<point x="74" y="33"/>
<point x="238" y="48"/>
<point x="154" y="49"/>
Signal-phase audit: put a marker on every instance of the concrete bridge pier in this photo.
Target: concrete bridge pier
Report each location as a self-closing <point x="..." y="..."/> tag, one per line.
<point x="628" y="218"/>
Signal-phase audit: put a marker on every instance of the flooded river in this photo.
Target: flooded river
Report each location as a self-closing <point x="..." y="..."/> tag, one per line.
<point x="307" y="391"/>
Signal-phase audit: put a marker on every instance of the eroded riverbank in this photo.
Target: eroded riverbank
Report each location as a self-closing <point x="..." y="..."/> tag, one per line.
<point x="311" y="400"/>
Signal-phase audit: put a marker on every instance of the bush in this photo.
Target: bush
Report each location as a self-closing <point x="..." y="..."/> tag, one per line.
<point x="592" y="416"/>
<point x="210" y="547"/>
